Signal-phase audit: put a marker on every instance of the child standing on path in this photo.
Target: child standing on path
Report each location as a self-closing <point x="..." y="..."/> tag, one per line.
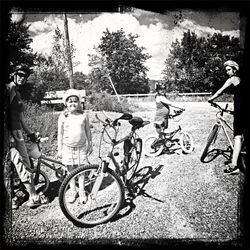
<point x="74" y="139"/>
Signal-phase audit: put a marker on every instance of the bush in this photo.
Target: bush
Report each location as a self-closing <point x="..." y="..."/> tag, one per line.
<point x="107" y="102"/>
<point x="43" y="120"/>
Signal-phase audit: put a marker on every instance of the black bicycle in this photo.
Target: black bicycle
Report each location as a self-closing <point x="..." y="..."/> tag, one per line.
<point x="222" y="125"/>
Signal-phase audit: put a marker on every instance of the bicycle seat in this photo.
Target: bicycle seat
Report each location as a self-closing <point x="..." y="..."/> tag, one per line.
<point x="136" y="121"/>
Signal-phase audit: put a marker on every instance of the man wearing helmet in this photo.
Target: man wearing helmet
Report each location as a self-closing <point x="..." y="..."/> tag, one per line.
<point x="162" y="107"/>
<point x="234" y="81"/>
<point x="15" y="124"/>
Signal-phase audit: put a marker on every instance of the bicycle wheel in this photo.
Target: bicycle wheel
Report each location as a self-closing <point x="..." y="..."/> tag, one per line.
<point x="186" y="142"/>
<point x="100" y="207"/>
<point x="41" y="182"/>
<point x="134" y="158"/>
<point x="211" y="139"/>
<point x="152" y="147"/>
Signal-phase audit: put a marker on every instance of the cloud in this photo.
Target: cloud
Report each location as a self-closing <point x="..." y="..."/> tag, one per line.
<point x="85" y="33"/>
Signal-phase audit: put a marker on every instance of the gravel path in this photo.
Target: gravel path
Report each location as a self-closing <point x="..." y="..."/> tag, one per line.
<point x="179" y="201"/>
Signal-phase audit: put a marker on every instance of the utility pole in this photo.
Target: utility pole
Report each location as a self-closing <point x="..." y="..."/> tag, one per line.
<point x="69" y="60"/>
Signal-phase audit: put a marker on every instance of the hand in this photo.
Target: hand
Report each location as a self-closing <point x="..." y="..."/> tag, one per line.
<point x="32" y="137"/>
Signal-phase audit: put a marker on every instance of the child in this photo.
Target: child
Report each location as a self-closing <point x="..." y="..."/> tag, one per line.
<point x="74" y="139"/>
<point x="162" y="108"/>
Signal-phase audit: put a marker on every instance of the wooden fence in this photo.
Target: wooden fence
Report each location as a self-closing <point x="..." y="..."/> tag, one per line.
<point x="55" y="97"/>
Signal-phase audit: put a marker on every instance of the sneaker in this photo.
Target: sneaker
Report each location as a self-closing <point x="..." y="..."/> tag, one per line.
<point x="72" y="196"/>
<point x="15" y="203"/>
<point x="83" y="197"/>
<point x="232" y="170"/>
<point x="40" y="200"/>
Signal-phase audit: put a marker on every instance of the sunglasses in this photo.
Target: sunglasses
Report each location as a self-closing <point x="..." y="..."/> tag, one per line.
<point x="21" y="74"/>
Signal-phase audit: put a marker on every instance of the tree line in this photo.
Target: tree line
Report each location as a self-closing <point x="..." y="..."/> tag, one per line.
<point x="194" y="64"/>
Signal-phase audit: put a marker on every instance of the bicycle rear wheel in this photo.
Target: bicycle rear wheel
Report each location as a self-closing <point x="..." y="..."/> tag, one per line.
<point x="134" y="158"/>
<point x="41" y="182"/>
<point x="186" y="142"/>
<point x="98" y="209"/>
<point x="211" y="139"/>
<point x="152" y="147"/>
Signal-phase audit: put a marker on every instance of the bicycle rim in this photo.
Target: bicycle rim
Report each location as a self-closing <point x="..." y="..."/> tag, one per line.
<point x="151" y="147"/>
<point x="186" y="142"/>
<point x="41" y="181"/>
<point x="134" y="159"/>
<point x="96" y="210"/>
<point x="211" y="139"/>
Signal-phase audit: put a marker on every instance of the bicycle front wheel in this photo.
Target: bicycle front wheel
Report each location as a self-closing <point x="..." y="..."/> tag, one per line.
<point x="152" y="146"/>
<point x="104" y="191"/>
<point x="186" y="142"/>
<point x="134" y="159"/>
<point x="211" y="139"/>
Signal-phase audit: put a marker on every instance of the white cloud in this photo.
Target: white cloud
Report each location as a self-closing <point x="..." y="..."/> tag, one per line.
<point x="84" y="35"/>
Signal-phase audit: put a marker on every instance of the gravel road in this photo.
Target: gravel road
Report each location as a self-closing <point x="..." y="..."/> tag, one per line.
<point x="179" y="201"/>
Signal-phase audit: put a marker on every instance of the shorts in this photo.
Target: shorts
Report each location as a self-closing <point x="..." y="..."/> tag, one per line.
<point x="72" y="156"/>
<point x="20" y="158"/>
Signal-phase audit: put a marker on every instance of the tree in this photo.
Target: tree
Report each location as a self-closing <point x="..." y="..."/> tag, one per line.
<point x="196" y="63"/>
<point x="18" y="45"/>
<point x="123" y="60"/>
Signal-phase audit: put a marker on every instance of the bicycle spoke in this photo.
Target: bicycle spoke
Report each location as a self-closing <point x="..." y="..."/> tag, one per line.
<point x="100" y="206"/>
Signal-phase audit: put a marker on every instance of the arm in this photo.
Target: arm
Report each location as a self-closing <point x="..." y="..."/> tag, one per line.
<point x="24" y="125"/>
<point x="221" y="90"/>
<point x="59" y="136"/>
<point x="168" y="102"/>
<point x="88" y="134"/>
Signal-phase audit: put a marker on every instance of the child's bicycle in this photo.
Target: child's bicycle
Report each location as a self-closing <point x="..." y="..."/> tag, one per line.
<point x="37" y="160"/>
<point x="222" y="124"/>
<point x="104" y="186"/>
<point x="154" y="145"/>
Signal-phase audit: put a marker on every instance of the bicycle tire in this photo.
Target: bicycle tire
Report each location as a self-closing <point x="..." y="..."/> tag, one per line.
<point x="186" y="142"/>
<point x="150" y="149"/>
<point x="103" y="208"/>
<point x="211" y="139"/>
<point x="41" y="182"/>
<point x="134" y="159"/>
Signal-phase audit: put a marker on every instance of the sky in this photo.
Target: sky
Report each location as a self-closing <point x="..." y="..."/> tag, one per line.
<point x="156" y="31"/>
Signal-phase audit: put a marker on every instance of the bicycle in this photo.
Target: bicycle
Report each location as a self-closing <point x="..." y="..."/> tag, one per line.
<point x="104" y="186"/>
<point x="155" y="145"/>
<point x="222" y="124"/>
<point x="41" y="179"/>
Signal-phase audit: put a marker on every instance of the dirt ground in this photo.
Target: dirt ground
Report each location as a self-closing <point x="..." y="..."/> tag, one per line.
<point x="181" y="201"/>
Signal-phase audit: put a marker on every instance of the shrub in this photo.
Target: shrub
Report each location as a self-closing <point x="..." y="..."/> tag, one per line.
<point x="105" y="101"/>
<point x="43" y="120"/>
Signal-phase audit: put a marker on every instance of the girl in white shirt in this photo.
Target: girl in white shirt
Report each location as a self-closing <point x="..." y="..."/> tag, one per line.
<point x="74" y="139"/>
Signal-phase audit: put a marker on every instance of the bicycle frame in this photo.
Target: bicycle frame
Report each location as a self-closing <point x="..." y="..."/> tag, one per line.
<point x="222" y="123"/>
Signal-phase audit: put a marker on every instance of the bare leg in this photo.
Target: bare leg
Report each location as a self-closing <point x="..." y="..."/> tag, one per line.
<point x="237" y="149"/>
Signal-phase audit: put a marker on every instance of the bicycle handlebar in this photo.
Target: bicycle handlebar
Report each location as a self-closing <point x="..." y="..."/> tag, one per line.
<point x="176" y="113"/>
<point x="213" y="104"/>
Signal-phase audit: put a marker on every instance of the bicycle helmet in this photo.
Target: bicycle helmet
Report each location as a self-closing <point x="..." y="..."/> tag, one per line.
<point x="22" y="69"/>
<point x="232" y="64"/>
<point x="71" y="92"/>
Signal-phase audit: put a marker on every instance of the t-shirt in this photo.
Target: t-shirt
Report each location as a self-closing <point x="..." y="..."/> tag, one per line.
<point x="162" y="109"/>
<point x="73" y="132"/>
